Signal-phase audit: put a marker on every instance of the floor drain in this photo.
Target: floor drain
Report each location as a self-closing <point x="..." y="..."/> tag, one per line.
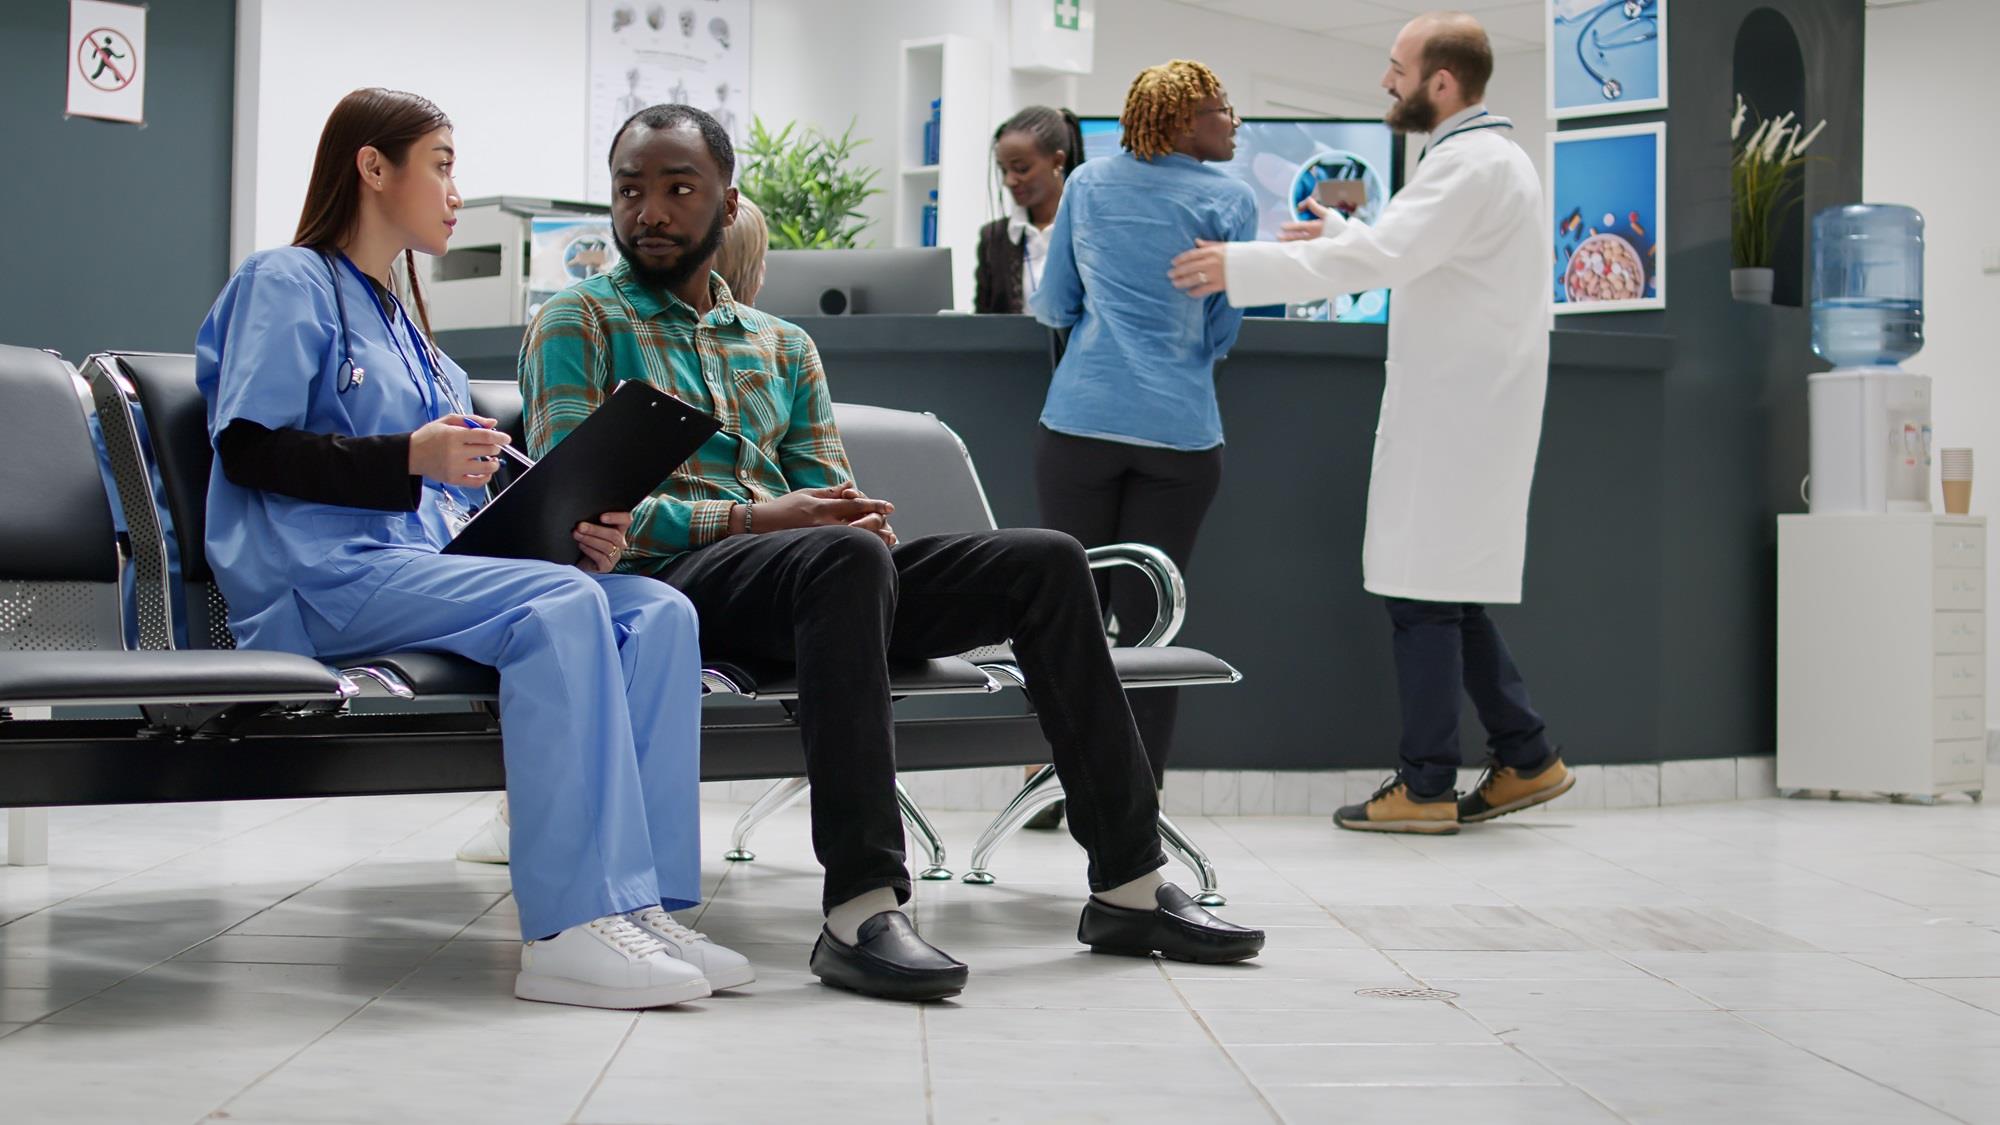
<point x="1407" y="993"/>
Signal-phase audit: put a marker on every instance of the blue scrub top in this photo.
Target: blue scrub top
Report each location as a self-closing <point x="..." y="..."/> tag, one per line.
<point x="271" y="352"/>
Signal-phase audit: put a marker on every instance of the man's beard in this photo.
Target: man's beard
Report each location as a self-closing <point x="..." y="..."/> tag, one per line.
<point x="1414" y="114"/>
<point x="692" y="259"/>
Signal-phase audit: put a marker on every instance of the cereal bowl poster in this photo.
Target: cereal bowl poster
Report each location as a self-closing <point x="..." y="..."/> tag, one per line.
<point x="1608" y="205"/>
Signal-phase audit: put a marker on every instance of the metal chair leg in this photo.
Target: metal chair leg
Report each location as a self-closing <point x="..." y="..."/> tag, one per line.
<point x="1041" y="791"/>
<point x="927" y="834"/>
<point x="1185" y="850"/>
<point x="775" y="800"/>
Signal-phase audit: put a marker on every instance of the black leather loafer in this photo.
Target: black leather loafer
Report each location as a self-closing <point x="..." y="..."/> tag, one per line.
<point x="889" y="960"/>
<point x="1177" y="929"/>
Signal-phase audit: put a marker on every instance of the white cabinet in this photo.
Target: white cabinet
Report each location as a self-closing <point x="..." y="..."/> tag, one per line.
<point x="1882" y="653"/>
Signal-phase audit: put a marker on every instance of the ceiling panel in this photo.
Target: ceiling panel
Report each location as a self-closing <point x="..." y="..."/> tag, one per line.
<point x="1519" y="22"/>
<point x="1319" y="17"/>
<point x="1515" y="25"/>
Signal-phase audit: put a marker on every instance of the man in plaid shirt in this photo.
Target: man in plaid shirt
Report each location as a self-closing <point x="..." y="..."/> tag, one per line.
<point x="784" y="558"/>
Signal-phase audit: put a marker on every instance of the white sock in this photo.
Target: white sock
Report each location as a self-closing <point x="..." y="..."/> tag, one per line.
<point x="1135" y="895"/>
<point x="844" y="921"/>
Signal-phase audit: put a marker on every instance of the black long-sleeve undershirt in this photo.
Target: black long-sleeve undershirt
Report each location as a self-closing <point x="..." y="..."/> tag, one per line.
<point x="354" y="472"/>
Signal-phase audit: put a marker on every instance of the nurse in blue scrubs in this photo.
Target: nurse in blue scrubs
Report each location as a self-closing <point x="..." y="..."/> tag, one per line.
<point x="346" y="462"/>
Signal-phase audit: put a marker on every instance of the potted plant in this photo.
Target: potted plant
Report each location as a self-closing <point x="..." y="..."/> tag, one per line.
<point x="809" y="194"/>
<point x="1764" y="185"/>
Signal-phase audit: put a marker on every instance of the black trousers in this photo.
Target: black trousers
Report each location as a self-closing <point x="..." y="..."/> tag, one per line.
<point x="1443" y="648"/>
<point x="1113" y="492"/>
<point x="840" y="603"/>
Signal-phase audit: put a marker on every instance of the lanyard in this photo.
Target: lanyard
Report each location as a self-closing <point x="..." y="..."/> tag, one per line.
<point x="1468" y="127"/>
<point x="427" y="387"/>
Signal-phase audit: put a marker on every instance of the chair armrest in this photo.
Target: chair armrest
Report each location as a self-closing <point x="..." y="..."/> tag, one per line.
<point x="1169" y="588"/>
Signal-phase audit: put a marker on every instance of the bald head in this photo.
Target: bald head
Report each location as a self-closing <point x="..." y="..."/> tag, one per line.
<point x="1453" y="43"/>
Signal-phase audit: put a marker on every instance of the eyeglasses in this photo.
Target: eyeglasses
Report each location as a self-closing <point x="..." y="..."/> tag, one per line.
<point x="1226" y="110"/>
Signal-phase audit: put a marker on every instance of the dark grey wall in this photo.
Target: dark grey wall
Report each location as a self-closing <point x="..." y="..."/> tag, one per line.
<point x="1732" y="428"/>
<point x="115" y="235"/>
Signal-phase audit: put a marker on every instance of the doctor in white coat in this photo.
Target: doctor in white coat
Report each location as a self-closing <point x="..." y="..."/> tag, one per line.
<point x="1465" y="249"/>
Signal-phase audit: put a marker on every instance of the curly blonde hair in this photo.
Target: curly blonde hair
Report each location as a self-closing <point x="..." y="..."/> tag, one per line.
<point x="1161" y="105"/>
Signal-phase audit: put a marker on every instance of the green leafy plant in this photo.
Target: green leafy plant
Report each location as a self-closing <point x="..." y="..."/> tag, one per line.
<point x="1764" y="182"/>
<point x="807" y="187"/>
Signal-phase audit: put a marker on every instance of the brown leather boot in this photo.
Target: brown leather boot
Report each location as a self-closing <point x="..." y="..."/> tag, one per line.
<point x="1393" y="809"/>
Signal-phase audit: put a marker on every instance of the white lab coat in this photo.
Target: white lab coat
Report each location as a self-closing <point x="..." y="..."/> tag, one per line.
<point x="1464" y="249"/>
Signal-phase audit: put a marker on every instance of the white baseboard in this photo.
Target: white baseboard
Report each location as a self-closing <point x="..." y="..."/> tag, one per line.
<point x="1320" y="792"/>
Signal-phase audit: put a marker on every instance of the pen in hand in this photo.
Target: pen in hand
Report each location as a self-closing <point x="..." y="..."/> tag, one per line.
<point x="523" y="459"/>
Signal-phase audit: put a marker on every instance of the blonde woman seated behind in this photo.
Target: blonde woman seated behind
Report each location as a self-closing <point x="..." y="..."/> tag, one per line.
<point x="741" y="259"/>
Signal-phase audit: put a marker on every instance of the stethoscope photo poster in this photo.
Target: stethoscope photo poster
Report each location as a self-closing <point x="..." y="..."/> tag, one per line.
<point x="1605" y="57"/>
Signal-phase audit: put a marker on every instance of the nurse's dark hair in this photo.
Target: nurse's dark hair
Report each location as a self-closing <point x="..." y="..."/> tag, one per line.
<point x="673" y="117"/>
<point x="390" y="121"/>
<point x="1053" y="131"/>
<point x="1161" y="104"/>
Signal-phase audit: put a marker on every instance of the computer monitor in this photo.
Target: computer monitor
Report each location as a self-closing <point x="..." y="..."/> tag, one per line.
<point x="1282" y="159"/>
<point x="856" y="282"/>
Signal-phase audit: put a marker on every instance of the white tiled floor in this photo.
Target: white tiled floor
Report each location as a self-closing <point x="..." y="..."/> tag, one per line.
<point x="1764" y="961"/>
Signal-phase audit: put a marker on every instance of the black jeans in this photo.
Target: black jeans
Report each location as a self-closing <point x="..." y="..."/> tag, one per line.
<point x="1441" y="648"/>
<point x="839" y="604"/>
<point x="1113" y="492"/>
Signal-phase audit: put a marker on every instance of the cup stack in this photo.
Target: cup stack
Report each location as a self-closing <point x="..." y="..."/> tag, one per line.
<point x="1956" y="468"/>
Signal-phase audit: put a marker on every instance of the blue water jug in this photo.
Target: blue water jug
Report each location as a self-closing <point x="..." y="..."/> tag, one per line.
<point x="1868" y="284"/>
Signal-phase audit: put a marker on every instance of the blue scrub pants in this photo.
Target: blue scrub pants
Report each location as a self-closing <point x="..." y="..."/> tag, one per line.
<point x="600" y="685"/>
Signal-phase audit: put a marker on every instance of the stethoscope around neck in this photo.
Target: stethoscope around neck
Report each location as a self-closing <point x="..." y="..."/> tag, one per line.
<point x="349" y="374"/>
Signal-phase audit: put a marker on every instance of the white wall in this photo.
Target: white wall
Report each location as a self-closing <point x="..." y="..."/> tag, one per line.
<point x="1928" y="146"/>
<point x="511" y="74"/>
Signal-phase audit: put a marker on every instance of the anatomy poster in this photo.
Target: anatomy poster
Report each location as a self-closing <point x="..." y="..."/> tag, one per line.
<point x="1605" y="57"/>
<point x="644" y="52"/>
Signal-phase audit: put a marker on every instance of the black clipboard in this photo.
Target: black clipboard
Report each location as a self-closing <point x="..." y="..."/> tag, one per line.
<point x="615" y="459"/>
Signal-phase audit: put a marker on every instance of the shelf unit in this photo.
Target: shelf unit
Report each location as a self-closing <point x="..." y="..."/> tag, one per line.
<point x="957" y="70"/>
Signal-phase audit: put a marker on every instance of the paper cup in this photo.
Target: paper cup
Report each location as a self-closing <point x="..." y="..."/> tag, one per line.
<point x="1956" y="464"/>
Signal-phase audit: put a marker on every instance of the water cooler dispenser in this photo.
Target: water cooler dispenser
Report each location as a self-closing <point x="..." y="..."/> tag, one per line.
<point x="1871" y="420"/>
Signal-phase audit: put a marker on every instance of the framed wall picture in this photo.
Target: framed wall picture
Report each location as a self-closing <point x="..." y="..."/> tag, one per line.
<point x="1605" y="56"/>
<point x="1608" y="211"/>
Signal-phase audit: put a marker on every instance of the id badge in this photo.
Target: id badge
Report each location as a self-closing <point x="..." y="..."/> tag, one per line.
<point x="455" y="514"/>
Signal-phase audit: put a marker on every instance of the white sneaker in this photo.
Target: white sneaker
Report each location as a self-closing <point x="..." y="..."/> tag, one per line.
<point x="724" y="968"/>
<point x="489" y="844"/>
<point x="609" y="963"/>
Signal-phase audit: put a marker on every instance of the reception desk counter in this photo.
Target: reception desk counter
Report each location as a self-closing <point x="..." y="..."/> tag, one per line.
<point x="1275" y="585"/>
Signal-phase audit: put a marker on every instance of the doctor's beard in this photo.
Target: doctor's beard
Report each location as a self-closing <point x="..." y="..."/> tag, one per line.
<point x="693" y="257"/>
<point x="1414" y="114"/>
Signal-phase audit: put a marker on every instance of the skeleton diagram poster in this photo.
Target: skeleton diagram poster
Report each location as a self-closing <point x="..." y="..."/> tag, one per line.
<point x="643" y="52"/>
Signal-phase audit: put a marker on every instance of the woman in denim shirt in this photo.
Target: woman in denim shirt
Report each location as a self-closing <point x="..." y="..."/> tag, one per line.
<point x="1130" y="446"/>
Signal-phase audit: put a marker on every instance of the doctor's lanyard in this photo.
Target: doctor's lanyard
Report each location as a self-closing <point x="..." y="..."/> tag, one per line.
<point x="427" y="387"/>
<point x="1472" y="125"/>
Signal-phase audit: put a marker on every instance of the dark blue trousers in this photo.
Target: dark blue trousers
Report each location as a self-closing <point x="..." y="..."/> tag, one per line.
<point x="1442" y="648"/>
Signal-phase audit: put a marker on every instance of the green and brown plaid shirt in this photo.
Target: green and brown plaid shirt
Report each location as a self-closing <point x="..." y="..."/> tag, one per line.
<point x="759" y="375"/>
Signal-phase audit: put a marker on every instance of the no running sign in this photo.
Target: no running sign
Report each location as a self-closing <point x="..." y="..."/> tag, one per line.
<point x="107" y="63"/>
